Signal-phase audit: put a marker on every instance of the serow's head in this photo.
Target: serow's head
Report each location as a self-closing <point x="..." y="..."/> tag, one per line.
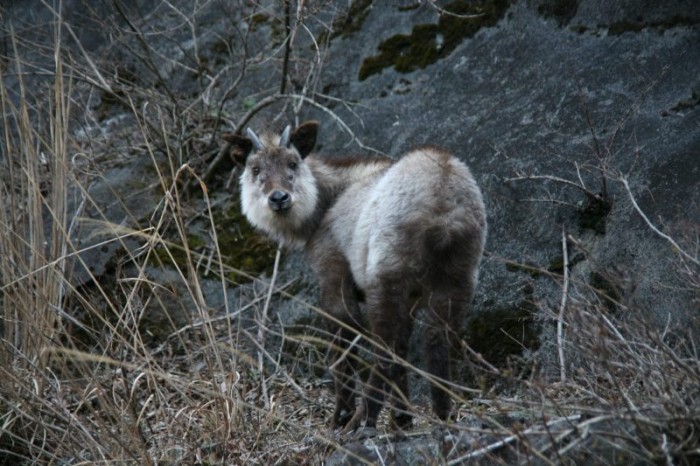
<point x="278" y="190"/>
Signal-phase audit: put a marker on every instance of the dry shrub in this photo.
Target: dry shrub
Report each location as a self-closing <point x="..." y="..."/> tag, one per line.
<point x="633" y="383"/>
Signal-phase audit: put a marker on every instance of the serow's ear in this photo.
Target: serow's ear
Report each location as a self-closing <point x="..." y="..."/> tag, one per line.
<point x="240" y="146"/>
<point x="304" y="137"/>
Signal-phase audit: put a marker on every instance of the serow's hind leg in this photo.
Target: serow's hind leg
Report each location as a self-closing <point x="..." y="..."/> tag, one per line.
<point x="444" y="315"/>
<point x="398" y="378"/>
<point x="390" y="328"/>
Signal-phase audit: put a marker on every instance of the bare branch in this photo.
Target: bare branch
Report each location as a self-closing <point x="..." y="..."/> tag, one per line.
<point x="522" y="177"/>
<point x="562" y="307"/>
<point x="663" y="235"/>
<point x="262" y="325"/>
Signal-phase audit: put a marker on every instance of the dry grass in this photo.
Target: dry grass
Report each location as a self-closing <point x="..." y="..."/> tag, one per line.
<point x="81" y="381"/>
<point x="84" y="380"/>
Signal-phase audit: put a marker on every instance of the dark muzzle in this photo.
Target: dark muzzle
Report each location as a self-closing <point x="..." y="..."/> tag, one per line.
<point x="279" y="200"/>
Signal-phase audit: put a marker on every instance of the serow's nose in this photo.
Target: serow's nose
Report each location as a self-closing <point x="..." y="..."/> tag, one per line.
<point x="279" y="200"/>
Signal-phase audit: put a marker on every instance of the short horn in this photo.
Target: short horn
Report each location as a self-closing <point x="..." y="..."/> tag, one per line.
<point x="257" y="144"/>
<point x="284" y="139"/>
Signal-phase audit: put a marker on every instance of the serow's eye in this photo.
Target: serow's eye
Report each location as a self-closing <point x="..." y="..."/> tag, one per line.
<point x="292" y="165"/>
<point x="256" y="171"/>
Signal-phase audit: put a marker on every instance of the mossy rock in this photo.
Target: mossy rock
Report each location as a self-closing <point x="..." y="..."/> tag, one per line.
<point x="175" y="255"/>
<point x="352" y="19"/>
<point x="428" y="43"/>
<point x="621" y="27"/>
<point x="241" y="246"/>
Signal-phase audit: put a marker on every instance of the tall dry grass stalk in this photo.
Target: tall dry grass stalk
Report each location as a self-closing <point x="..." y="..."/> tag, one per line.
<point x="34" y="242"/>
<point x="33" y="221"/>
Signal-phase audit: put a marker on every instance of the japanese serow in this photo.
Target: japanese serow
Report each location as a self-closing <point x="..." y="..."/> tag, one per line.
<point x="401" y="233"/>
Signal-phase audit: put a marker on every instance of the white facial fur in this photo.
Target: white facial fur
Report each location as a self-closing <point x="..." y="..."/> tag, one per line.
<point x="283" y="226"/>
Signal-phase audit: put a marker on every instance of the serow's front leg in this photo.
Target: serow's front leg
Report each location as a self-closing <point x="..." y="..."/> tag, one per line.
<point x="343" y="363"/>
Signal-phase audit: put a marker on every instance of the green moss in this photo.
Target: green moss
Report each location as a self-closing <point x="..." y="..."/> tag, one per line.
<point x="257" y="20"/>
<point x="276" y="24"/>
<point x="428" y="43"/>
<point x="622" y="27"/>
<point x="220" y="47"/>
<point x="176" y="255"/>
<point x="413" y="6"/>
<point x="352" y="19"/>
<point x="241" y="246"/>
<point x="346" y="23"/>
<point x="693" y="101"/>
<point x="557" y="265"/>
<point x="579" y="29"/>
<point x="195" y="243"/>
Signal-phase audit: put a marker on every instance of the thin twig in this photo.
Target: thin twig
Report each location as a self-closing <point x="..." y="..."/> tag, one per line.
<point x="596" y="149"/>
<point x="562" y="307"/>
<point x="445" y="12"/>
<point x="262" y="325"/>
<point x="345" y="353"/>
<point x="509" y="439"/>
<point x="522" y="177"/>
<point x="287" y="45"/>
<point x="675" y="245"/>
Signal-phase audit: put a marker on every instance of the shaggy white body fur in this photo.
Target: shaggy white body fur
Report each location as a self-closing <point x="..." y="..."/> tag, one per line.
<point x="426" y="190"/>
